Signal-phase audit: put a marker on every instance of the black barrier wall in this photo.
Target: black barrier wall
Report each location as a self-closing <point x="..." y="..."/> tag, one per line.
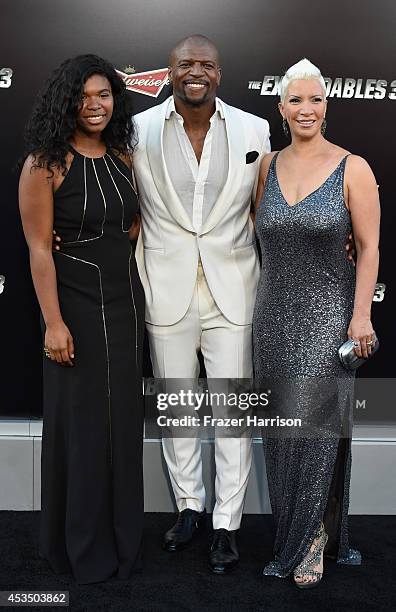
<point x="351" y="41"/>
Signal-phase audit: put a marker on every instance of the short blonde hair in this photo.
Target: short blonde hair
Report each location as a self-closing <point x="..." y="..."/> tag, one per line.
<point x="304" y="69"/>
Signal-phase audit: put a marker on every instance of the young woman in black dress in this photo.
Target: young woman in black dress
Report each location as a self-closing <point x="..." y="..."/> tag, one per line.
<point x="77" y="180"/>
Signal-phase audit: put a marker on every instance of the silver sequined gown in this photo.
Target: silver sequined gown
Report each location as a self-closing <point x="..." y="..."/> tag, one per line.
<point x="303" y="308"/>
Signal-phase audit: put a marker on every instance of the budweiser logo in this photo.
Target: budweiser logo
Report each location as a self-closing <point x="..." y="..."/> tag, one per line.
<point x="149" y="83"/>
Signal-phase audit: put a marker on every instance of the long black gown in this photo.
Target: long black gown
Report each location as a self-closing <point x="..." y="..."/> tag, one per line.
<point x="303" y="308"/>
<point x="92" y="490"/>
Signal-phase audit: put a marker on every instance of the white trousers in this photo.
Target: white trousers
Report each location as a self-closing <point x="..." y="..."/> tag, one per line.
<point x="227" y="352"/>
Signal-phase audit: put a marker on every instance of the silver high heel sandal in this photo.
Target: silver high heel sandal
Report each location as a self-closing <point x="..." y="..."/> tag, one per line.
<point x="305" y="568"/>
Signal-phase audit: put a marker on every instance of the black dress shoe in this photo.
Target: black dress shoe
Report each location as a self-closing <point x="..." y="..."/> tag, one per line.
<point x="224" y="553"/>
<point x="183" y="530"/>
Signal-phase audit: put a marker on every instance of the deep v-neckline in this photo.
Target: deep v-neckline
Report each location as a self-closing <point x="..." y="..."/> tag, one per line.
<point x="309" y="194"/>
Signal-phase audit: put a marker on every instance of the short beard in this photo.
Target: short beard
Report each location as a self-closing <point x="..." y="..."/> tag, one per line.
<point x="193" y="103"/>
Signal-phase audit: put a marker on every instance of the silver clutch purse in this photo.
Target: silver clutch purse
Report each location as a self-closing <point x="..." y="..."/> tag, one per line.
<point x="348" y="357"/>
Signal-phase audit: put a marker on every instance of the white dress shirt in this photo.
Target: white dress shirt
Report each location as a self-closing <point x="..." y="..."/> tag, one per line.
<point x="198" y="185"/>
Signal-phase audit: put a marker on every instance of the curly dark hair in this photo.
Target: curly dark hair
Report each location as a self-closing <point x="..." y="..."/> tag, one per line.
<point x="54" y="117"/>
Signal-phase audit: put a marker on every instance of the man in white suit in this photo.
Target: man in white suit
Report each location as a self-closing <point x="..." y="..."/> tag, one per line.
<point x="196" y="167"/>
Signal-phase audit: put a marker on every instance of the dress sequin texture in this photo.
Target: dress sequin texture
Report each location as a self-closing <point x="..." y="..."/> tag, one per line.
<point x="303" y="308"/>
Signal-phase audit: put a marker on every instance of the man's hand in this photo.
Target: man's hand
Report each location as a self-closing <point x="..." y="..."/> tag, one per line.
<point x="350" y="248"/>
<point x="55" y="241"/>
<point x="135" y="228"/>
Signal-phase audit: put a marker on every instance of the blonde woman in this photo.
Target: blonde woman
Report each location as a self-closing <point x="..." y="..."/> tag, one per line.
<point x="310" y="298"/>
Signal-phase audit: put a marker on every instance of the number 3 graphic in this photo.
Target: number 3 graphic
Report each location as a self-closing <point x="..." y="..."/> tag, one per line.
<point x="379" y="292"/>
<point x="5" y="77"/>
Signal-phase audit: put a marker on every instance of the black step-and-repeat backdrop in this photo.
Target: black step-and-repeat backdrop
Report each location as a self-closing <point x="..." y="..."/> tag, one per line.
<point x="351" y="41"/>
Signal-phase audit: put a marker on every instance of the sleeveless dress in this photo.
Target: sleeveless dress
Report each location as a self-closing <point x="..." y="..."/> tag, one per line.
<point x="303" y="308"/>
<point x="92" y="491"/>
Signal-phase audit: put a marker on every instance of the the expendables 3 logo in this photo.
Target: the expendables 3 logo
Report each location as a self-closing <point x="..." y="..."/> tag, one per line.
<point x="340" y="87"/>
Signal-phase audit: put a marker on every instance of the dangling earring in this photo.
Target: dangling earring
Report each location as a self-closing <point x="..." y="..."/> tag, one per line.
<point x="285" y="127"/>
<point x="323" y="127"/>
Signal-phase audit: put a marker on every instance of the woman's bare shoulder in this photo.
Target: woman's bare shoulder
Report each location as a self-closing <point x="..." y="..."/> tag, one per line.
<point x="34" y="167"/>
<point x="269" y="157"/>
<point x="34" y="172"/>
<point x="266" y="162"/>
<point x="358" y="171"/>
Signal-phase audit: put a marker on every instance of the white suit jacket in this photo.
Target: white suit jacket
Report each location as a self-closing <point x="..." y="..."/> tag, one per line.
<point x="168" y="247"/>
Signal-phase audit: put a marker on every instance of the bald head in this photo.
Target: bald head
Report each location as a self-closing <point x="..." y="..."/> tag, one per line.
<point x="195" y="40"/>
